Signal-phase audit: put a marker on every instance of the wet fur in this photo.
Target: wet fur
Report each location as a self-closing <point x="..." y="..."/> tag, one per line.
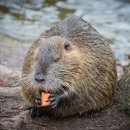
<point x="123" y="94"/>
<point x="88" y="71"/>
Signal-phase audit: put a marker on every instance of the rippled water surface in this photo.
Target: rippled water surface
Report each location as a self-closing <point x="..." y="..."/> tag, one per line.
<point x="25" y="20"/>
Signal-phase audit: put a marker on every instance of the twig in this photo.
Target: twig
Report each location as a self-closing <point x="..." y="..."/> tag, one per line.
<point x="38" y="123"/>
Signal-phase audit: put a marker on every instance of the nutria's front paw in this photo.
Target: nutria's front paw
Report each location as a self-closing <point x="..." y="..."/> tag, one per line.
<point x="38" y="101"/>
<point x="54" y="100"/>
<point x="35" y="112"/>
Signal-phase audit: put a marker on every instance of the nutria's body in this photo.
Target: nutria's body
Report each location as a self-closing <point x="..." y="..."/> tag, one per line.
<point x="124" y="89"/>
<point x="74" y="63"/>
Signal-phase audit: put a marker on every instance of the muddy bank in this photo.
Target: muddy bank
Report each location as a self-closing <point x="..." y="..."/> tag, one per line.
<point x="10" y="118"/>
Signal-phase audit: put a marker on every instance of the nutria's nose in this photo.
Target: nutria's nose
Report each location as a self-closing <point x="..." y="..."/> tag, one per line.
<point x="40" y="80"/>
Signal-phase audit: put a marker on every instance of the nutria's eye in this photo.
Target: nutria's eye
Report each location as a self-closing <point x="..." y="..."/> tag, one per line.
<point x="67" y="46"/>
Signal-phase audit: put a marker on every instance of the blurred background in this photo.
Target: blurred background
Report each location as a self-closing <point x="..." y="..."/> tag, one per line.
<point x="22" y="21"/>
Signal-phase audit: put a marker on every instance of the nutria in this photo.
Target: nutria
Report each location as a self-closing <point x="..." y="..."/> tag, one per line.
<point x="74" y="63"/>
<point x="123" y="86"/>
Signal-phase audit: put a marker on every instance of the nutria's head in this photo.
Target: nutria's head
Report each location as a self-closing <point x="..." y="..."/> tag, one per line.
<point x="58" y="65"/>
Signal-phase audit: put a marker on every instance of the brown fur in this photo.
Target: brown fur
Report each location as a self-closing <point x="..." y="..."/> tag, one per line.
<point x="88" y="71"/>
<point x="124" y="89"/>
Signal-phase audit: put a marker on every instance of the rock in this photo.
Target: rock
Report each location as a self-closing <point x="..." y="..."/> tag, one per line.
<point x="9" y="77"/>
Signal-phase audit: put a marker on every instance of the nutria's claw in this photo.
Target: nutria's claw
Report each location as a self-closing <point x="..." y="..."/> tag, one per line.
<point x="32" y="112"/>
<point x="38" y="101"/>
<point x="35" y="112"/>
<point x="54" y="100"/>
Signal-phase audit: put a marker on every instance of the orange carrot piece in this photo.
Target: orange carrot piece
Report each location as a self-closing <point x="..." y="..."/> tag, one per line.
<point x="44" y="99"/>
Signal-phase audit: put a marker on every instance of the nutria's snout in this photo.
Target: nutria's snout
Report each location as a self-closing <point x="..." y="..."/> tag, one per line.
<point x="39" y="77"/>
<point x="39" y="83"/>
<point x="43" y="83"/>
<point x="42" y="80"/>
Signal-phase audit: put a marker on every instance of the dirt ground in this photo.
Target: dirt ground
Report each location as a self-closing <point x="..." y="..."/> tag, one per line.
<point x="109" y="119"/>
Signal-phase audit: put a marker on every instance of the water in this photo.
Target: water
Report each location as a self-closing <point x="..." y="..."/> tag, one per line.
<point x="25" y="20"/>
